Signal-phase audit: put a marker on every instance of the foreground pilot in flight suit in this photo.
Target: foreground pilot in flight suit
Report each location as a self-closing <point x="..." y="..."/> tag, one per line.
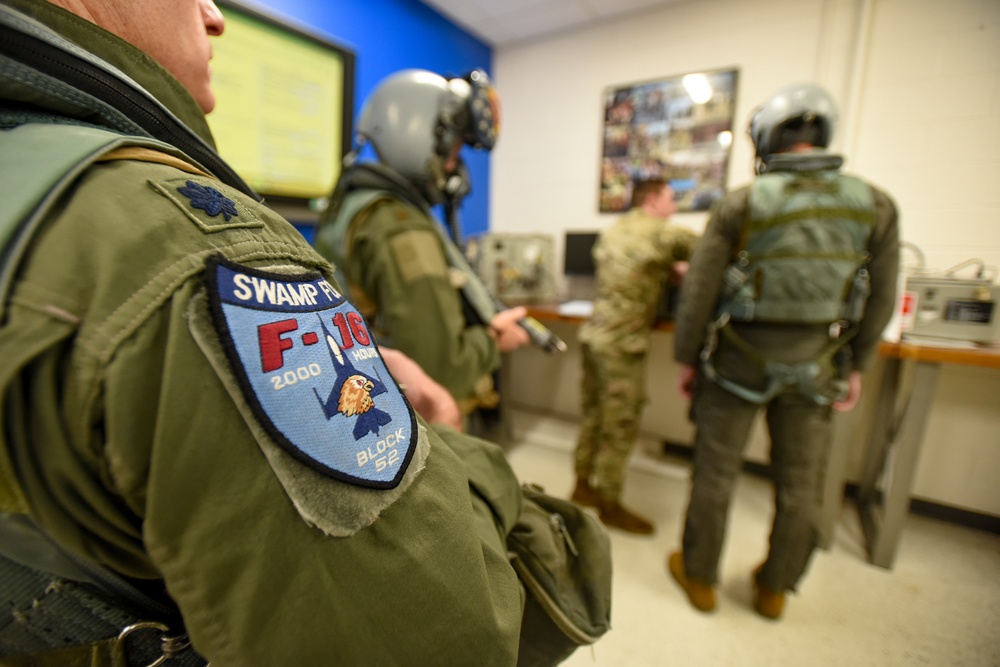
<point x="191" y="409"/>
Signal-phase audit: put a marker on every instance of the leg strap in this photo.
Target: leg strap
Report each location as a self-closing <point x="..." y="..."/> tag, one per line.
<point x="801" y="377"/>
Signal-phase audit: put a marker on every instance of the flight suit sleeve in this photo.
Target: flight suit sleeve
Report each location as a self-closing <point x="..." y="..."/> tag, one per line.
<point x="883" y="269"/>
<point x="256" y="583"/>
<point x="398" y="261"/>
<point x="703" y="284"/>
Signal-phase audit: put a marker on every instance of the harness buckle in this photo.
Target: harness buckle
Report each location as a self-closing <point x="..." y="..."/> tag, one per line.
<point x="170" y="646"/>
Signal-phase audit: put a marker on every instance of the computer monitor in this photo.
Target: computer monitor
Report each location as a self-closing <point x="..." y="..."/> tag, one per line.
<point x="578" y="266"/>
<point x="579" y="270"/>
<point x="578" y="259"/>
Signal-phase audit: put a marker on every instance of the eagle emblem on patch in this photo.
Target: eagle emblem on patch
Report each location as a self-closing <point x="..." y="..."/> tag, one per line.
<point x="312" y="373"/>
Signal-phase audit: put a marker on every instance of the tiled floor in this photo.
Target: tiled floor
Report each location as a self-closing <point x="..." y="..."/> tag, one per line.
<point x="939" y="605"/>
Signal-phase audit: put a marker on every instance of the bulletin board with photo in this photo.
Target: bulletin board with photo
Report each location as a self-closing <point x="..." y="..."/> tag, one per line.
<point x="678" y="128"/>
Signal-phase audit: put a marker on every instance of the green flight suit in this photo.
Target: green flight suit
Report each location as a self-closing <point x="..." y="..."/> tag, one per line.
<point x="800" y="430"/>
<point x="397" y="271"/>
<point x="633" y="259"/>
<point x="135" y="444"/>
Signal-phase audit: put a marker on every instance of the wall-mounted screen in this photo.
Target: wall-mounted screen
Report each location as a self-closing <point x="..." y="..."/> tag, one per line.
<point x="678" y="129"/>
<point x="284" y="100"/>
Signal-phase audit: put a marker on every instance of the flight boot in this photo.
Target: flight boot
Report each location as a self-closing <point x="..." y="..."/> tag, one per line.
<point x="768" y="603"/>
<point x="701" y="596"/>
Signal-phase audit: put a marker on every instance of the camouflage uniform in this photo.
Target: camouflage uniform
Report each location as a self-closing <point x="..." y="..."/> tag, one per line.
<point x="633" y="259"/>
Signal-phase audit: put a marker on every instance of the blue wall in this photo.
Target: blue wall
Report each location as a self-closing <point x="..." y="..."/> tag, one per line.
<point x="389" y="35"/>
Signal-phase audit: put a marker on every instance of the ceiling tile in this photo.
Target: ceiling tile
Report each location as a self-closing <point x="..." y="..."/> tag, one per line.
<point x="612" y="8"/>
<point x="500" y="22"/>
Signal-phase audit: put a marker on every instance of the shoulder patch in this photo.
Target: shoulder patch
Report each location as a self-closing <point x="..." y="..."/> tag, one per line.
<point x="312" y="374"/>
<point x="205" y="204"/>
<point x="418" y="254"/>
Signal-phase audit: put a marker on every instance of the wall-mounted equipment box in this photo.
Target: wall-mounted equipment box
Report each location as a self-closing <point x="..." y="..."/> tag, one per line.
<point x="516" y="268"/>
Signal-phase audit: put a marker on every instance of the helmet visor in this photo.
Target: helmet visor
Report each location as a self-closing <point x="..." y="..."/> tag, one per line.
<point x="484" y="111"/>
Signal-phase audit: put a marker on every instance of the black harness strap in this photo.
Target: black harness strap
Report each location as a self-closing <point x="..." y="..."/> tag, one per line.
<point x="61" y="610"/>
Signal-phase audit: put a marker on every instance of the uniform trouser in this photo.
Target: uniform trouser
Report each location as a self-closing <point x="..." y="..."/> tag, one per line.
<point x="801" y="433"/>
<point x="614" y="391"/>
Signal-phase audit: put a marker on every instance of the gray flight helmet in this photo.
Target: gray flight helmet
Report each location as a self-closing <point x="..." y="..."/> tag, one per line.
<point x="414" y="117"/>
<point x="801" y="101"/>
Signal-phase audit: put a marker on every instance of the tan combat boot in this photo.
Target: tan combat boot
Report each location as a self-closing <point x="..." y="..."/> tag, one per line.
<point x="583" y="494"/>
<point x="767" y="603"/>
<point x="701" y="596"/>
<point x="615" y="515"/>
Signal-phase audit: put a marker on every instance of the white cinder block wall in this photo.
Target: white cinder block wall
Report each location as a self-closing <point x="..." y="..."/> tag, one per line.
<point x="919" y="87"/>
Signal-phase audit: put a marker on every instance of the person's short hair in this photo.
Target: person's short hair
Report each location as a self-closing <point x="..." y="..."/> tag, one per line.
<point x="644" y="188"/>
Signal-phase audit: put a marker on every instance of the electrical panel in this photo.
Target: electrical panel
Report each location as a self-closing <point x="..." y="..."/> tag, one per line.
<point x="516" y="268"/>
<point x="953" y="308"/>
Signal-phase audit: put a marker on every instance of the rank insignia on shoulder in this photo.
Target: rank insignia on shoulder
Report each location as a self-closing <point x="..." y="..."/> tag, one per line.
<point x="312" y="373"/>
<point x="209" y="200"/>
<point x="207" y="203"/>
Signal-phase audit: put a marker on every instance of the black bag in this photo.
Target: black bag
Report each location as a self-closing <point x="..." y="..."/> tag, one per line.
<point x="562" y="555"/>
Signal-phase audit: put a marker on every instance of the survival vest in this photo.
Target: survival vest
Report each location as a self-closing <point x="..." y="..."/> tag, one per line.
<point x="801" y="259"/>
<point x="802" y="250"/>
<point x="333" y="241"/>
